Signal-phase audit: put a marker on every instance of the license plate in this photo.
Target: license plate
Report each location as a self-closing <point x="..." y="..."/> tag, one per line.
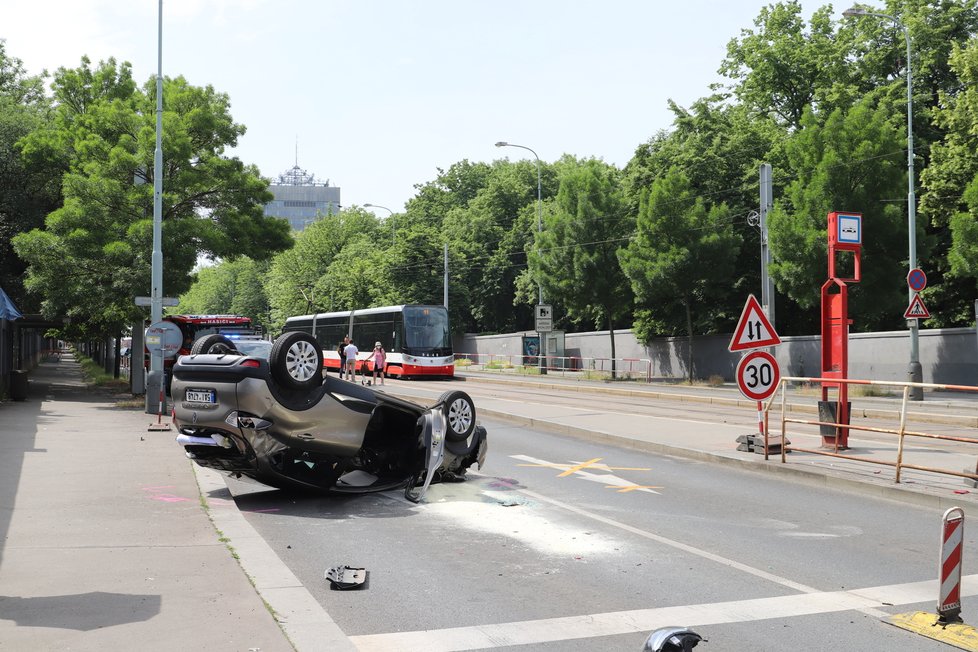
<point x="201" y="396"/>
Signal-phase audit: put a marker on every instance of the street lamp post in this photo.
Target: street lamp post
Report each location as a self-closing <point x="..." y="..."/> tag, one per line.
<point x="543" y="338"/>
<point x="915" y="370"/>
<point x="156" y="379"/>
<point x="391" y="216"/>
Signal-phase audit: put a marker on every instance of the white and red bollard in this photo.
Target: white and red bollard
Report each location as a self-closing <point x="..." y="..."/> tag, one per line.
<point x="952" y="536"/>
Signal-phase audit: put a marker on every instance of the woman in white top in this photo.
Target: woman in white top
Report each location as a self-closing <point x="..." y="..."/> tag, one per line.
<point x="351" y="351"/>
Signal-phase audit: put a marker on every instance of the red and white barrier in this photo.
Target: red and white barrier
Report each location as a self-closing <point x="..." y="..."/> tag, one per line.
<point x="952" y="535"/>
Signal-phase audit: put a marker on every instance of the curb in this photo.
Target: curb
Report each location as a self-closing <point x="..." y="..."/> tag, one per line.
<point x="303" y="620"/>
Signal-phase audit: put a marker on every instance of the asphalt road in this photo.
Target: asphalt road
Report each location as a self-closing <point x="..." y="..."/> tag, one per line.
<point x="561" y="544"/>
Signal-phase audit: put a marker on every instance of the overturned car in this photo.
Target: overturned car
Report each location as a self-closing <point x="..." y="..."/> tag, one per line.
<point x="280" y="422"/>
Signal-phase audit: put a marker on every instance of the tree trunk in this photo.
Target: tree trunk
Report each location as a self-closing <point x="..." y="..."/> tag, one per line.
<point x="689" y="344"/>
<point x="117" y="365"/>
<point x="611" y="331"/>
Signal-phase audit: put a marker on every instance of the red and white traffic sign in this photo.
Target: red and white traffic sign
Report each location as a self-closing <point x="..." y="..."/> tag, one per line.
<point x="758" y="375"/>
<point x="916" y="279"/>
<point x="916" y="309"/>
<point x="754" y="329"/>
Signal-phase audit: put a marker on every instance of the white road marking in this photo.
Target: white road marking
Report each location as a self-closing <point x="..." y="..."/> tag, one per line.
<point x="645" y="620"/>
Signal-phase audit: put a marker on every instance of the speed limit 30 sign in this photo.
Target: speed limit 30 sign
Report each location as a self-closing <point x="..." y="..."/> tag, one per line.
<point x="758" y="375"/>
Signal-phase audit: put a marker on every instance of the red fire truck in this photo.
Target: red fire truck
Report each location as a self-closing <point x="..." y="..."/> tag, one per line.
<point x="196" y="326"/>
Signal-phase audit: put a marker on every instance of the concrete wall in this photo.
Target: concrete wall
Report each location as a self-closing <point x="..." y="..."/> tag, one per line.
<point x="948" y="355"/>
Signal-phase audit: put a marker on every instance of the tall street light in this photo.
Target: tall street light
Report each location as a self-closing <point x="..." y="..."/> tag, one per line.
<point x="156" y="379"/>
<point x="915" y="371"/>
<point x="391" y="217"/>
<point x="543" y="339"/>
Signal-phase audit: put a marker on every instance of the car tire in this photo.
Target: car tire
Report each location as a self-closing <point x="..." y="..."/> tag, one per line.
<point x="213" y="343"/>
<point x="459" y="415"/>
<point x="296" y="361"/>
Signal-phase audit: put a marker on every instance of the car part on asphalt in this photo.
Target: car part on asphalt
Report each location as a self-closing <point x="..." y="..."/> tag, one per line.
<point x="343" y="578"/>
<point x="672" y="639"/>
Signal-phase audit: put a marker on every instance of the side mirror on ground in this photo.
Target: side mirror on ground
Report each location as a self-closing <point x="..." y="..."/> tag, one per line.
<point x="672" y="639"/>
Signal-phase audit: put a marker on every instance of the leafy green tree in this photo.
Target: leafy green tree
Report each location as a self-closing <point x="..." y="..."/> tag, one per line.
<point x="297" y="283"/>
<point x="719" y="146"/>
<point x="680" y="260"/>
<point x="452" y="188"/>
<point x="948" y="199"/>
<point x="963" y="256"/>
<point x="486" y="243"/>
<point x="94" y="255"/>
<point x="27" y="192"/>
<point x="417" y="266"/>
<point x="786" y="66"/>
<point x="233" y="287"/>
<point x="852" y="162"/>
<point x="575" y="257"/>
<point x="358" y="277"/>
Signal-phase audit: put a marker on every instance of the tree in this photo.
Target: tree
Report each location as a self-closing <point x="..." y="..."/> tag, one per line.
<point x="852" y="162"/>
<point x="719" y="147"/>
<point x="486" y="242"/>
<point x="358" y="277"/>
<point x="949" y="201"/>
<point x="937" y="29"/>
<point x="453" y="188"/>
<point x="786" y="67"/>
<point x="575" y="257"/>
<point x="297" y="283"/>
<point x="234" y="287"/>
<point x="680" y="260"/>
<point x="93" y="256"/>
<point x="27" y="192"/>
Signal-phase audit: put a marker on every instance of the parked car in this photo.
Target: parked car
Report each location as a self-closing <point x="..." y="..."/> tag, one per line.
<point x="279" y="421"/>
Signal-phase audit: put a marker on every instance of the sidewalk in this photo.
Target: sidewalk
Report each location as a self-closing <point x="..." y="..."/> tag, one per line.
<point x="105" y="544"/>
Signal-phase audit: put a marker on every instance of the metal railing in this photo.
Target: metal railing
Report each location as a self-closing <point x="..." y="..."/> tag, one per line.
<point x="901" y="432"/>
<point x="565" y="366"/>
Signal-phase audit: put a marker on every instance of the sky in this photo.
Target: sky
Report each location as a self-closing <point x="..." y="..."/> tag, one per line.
<point x="376" y="96"/>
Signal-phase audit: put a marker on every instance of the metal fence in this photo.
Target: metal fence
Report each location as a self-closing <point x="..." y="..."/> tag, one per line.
<point x="563" y="366"/>
<point x="963" y="431"/>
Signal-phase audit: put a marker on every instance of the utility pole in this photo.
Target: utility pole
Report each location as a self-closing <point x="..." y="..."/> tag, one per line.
<point x="156" y="379"/>
<point x="767" y="202"/>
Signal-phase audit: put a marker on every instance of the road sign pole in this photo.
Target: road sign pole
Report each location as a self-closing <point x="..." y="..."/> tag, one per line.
<point x="760" y="427"/>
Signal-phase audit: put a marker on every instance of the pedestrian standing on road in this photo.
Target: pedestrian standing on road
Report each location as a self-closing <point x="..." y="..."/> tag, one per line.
<point x="380" y="359"/>
<point x="351" y="351"/>
<point x="341" y="350"/>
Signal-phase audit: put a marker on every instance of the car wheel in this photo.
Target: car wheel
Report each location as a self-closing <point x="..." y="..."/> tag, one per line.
<point x="213" y="343"/>
<point x="297" y="361"/>
<point x="460" y="414"/>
